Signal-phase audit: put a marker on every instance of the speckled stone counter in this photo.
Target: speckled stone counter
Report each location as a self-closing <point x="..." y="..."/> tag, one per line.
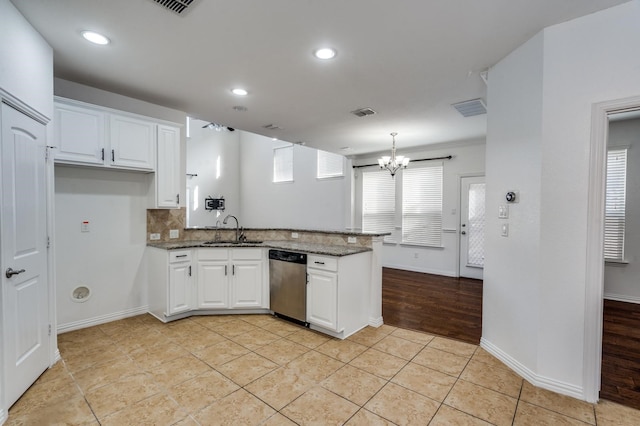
<point x="314" y="248"/>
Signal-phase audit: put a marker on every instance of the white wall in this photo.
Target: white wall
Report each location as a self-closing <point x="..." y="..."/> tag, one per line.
<point x="621" y="280"/>
<point x="110" y="258"/>
<point x="468" y="160"/>
<point x="27" y="61"/>
<point x="306" y="203"/>
<point x="204" y="147"/>
<point x="535" y="280"/>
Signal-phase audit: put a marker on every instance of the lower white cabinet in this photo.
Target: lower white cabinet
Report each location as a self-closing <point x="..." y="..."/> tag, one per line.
<point x="231" y="278"/>
<point x="338" y="292"/>
<point x="182" y="282"/>
<point x="171" y="284"/>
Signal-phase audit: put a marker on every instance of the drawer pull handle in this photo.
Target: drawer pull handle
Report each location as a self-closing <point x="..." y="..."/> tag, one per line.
<point x="318" y="263"/>
<point x="181" y="255"/>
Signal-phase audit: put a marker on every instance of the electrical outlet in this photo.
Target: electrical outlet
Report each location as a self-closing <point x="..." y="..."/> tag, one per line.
<point x="154" y="236"/>
<point x="294" y="235"/>
<point x="352" y="240"/>
<point x="174" y="233"/>
<point x="415" y="255"/>
<point x="84" y="226"/>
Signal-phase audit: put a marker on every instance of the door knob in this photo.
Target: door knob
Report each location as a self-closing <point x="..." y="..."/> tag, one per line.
<point x="10" y="272"/>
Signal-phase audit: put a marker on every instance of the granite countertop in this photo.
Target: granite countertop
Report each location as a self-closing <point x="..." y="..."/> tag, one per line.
<point x="318" y="231"/>
<point x="329" y="250"/>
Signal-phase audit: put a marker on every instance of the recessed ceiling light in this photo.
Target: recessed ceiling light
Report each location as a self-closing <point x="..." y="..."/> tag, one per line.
<point x="240" y="92"/>
<point x="325" y="53"/>
<point x="94" y="37"/>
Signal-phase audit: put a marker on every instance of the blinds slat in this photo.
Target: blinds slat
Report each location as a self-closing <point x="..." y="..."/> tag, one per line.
<point x="422" y="206"/>
<point x="614" y="224"/>
<point x="329" y="165"/>
<point x="283" y="164"/>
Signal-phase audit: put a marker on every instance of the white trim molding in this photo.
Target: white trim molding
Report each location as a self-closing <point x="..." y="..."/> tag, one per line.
<point x="594" y="285"/>
<point x="376" y="322"/>
<point x="77" y="325"/>
<point x="530" y="376"/>
<point x="3" y="416"/>
<point x="622" y="298"/>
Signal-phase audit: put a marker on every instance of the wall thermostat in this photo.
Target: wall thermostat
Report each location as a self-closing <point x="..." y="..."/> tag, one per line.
<point x="511" y="197"/>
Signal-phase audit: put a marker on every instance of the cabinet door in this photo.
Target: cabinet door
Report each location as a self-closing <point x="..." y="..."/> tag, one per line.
<point x="132" y="143"/>
<point x="322" y="299"/>
<point x="79" y="135"/>
<point x="180" y="296"/>
<point x="168" y="167"/>
<point x="213" y="285"/>
<point x="246" y="284"/>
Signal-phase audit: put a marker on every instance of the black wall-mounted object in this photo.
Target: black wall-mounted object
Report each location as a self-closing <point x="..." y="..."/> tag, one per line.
<point x="214" y="203"/>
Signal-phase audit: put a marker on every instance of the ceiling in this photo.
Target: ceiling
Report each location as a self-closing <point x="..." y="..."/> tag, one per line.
<point x="408" y="60"/>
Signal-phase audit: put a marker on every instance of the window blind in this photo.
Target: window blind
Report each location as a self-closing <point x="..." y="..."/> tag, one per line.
<point x="378" y="202"/>
<point x="329" y="165"/>
<point x="616" y="188"/>
<point x="422" y="206"/>
<point x="283" y="164"/>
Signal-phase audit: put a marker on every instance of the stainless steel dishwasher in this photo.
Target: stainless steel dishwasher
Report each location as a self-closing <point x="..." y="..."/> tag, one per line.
<point x="288" y="285"/>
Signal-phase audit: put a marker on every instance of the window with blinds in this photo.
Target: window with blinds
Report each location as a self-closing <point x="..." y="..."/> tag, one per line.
<point x="283" y="164"/>
<point x="378" y="202"/>
<point x="422" y="206"/>
<point x="614" y="220"/>
<point x="330" y="165"/>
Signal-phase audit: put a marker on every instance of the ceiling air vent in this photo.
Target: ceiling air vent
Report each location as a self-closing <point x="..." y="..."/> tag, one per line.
<point x="471" y="108"/>
<point x="176" y="6"/>
<point x="272" y="127"/>
<point x="363" y="112"/>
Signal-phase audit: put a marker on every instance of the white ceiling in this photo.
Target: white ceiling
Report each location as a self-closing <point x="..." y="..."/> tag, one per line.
<point x="409" y="60"/>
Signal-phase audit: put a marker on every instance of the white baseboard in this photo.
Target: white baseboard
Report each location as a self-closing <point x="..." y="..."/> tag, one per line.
<point x="376" y="322"/>
<point x="530" y="376"/>
<point x="422" y="270"/>
<point x="621" y="298"/>
<point x="90" y="322"/>
<point x="3" y="416"/>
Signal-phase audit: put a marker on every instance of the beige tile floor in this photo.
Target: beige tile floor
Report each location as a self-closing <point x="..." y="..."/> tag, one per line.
<point x="259" y="370"/>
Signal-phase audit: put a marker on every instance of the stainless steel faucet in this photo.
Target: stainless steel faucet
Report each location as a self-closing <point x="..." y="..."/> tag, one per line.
<point x="237" y="225"/>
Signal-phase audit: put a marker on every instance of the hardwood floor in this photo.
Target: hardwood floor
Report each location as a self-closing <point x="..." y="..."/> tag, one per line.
<point x="450" y="307"/>
<point x="621" y="353"/>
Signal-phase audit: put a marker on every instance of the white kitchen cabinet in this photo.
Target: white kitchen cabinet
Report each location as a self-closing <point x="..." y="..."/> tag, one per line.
<point x="167" y="176"/>
<point x="322" y="298"/>
<point x="231" y="278"/>
<point x="132" y="142"/>
<point x="79" y="134"/>
<point x="171" y="284"/>
<point x="338" y="292"/>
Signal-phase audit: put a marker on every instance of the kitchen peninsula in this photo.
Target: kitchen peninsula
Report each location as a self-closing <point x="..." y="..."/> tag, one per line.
<point x="206" y="271"/>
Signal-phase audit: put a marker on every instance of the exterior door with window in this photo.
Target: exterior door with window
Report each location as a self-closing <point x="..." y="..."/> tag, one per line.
<point x="472" y="219"/>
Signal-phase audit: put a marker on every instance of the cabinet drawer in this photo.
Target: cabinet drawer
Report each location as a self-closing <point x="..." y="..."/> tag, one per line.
<point x="213" y="254"/>
<point x="246" y="254"/>
<point x="179" y="256"/>
<point x="322" y="262"/>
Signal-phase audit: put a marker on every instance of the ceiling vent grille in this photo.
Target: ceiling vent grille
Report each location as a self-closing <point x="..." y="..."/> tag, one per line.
<point x="176" y="6"/>
<point x="363" y="112"/>
<point x="471" y="108"/>
<point x="272" y="127"/>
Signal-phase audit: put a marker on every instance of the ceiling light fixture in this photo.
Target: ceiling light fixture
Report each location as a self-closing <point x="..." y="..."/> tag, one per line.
<point x="95" y="37"/>
<point x="240" y="92"/>
<point x="325" y="53"/>
<point x="393" y="163"/>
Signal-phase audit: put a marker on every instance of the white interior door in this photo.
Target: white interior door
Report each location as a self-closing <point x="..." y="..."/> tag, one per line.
<point x="472" y="219"/>
<point x="25" y="305"/>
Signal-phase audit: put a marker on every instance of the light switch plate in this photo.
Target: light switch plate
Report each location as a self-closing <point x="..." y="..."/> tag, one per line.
<point x="154" y="236"/>
<point x="503" y="212"/>
<point x="174" y="233"/>
<point x="505" y="230"/>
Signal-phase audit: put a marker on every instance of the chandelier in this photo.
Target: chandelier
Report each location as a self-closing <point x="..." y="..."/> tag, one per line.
<point x="393" y="163"/>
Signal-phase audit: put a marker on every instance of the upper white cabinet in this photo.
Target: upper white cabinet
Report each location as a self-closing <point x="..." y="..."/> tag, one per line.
<point x="91" y="135"/>
<point x="132" y="142"/>
<point x="79" y="134"/>
<point x="168" y="167"/>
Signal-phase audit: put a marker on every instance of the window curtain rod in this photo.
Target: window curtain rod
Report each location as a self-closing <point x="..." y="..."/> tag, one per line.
<point x="448" y="157"/>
